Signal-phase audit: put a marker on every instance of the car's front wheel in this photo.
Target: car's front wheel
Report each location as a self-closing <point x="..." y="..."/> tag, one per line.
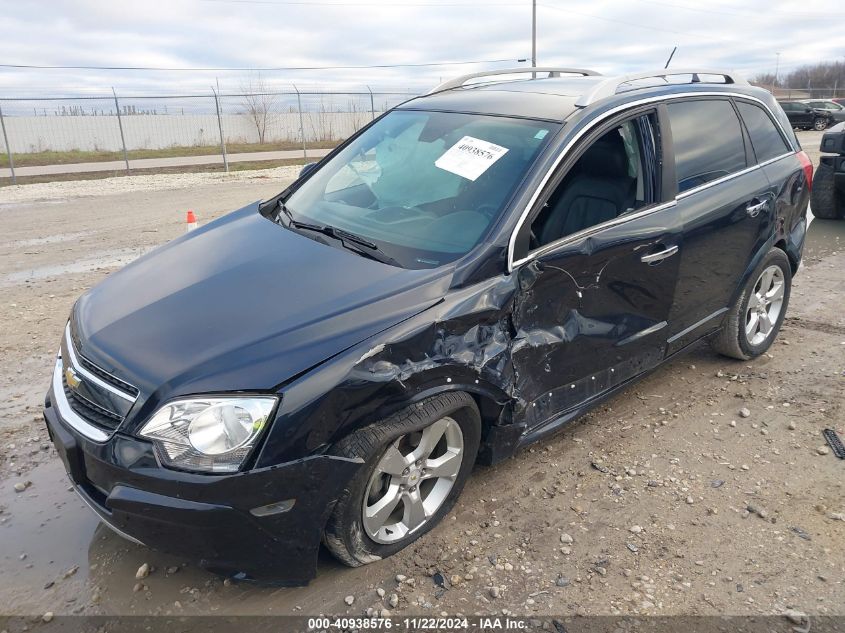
<point x="416" y="464"/>
<point x="754" y="320"/>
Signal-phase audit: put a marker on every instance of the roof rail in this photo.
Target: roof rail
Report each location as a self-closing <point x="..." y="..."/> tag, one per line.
<point x="611" y="85"/>
<point x="457" y="82"/>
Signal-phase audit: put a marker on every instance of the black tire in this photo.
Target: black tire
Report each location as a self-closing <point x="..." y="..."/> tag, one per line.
<point x="823" y="198"/>
<point x="344" y="534"/>
<point x="820" y="123"/>
<point x="731" y="340"/>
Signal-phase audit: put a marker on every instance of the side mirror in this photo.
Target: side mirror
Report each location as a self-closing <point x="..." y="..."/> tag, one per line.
<point x="307" y="169"/>
<point x="806" y="110"/>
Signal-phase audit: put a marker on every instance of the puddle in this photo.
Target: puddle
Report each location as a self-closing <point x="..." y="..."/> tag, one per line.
<point x="50" y="239"/>
<point x="57" y="533"/>
<point x="107" y="259"/>
<point x="51" y="528"/>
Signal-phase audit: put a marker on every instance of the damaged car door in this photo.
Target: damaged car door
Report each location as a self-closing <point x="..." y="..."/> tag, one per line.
<point x="597" y="283"/>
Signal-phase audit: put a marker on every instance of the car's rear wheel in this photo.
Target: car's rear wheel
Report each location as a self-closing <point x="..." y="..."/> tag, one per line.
<point x="416" y="464"/>
<point x="753" y="322"/>
<point x="819" y="124"/>
<point x="823" y="197"/>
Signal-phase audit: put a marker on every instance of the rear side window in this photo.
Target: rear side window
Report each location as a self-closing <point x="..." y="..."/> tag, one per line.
<point x="708" y="143"/>
<point x="765" y="138"/>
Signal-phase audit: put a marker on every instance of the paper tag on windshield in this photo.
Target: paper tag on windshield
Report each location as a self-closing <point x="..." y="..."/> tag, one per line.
<point x="470" y="157"/>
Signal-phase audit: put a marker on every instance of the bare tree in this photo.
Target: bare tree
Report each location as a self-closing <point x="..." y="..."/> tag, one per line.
<point x="764" y="79"/>
<point x="820" y="79"/>
<point x="258" y="104"/>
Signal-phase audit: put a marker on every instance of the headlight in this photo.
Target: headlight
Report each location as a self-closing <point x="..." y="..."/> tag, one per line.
<point x="208" y="434"/>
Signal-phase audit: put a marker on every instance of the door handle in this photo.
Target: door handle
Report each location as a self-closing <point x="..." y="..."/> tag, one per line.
<point x="753" y="209"/>
<point x="659" y="256"/>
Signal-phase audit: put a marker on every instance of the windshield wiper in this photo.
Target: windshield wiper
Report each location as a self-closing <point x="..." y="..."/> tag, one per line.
<point x="360" y="245"/>
<point x="349" y="241"/>
<point x="296" y="223"/>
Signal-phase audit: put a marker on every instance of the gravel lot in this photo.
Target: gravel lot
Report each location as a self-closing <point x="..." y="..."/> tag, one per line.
<point x="704" y="489"/>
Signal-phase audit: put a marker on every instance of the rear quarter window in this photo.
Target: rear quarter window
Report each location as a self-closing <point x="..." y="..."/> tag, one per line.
<point x="707" y="139"/>
<point x="765" y="137"/>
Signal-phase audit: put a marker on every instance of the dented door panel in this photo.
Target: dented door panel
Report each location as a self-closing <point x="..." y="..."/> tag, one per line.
<point x="792" y="195"/>
<point x="592" y="314"/>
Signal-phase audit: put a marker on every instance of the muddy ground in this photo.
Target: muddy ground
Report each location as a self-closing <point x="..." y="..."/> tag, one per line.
<point x="663" y="501"/>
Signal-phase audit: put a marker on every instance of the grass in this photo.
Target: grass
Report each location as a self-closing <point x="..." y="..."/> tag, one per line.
<point x="97" y="156"/>
<point x="187" y="169"/>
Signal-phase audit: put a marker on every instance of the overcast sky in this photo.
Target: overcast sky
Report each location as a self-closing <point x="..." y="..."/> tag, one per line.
<point x="608" y="36"/>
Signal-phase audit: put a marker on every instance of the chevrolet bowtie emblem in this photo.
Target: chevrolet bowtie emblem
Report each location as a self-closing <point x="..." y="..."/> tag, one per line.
<point x="73" y="381"/>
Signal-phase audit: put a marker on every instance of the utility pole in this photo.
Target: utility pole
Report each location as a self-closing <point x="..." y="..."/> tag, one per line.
<point x="533" y="37"/>
<point x="777" y="68"/>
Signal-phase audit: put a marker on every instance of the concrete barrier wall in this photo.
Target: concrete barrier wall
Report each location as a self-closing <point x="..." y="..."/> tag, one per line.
<point x="157" y="131"/>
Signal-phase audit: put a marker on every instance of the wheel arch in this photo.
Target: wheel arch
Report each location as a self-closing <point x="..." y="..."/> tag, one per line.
<point x="752" y="266"/>
<point x="794" y="261"/>
<point x="492" y="402"/>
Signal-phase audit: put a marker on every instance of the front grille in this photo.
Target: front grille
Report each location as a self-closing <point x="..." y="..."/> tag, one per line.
<point x="106" y="377"/>
<point x="96" y="402"/>
<point x="86" y="409"/>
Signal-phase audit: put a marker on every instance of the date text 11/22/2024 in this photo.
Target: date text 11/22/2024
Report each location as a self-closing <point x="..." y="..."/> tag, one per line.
<point x="477" y="623"/>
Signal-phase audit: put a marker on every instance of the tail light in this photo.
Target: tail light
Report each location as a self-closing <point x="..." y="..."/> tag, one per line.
<point x="807" y="164"/>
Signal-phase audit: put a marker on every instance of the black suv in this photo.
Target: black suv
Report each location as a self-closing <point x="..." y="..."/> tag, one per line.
<point x="805" y="117"/>
<point x="828" y="197"/>
<point x="464" y="276"/>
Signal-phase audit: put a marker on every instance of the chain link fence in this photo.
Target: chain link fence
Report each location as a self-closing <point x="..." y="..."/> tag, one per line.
<point x="781" y="92"/>
<point x="56" y="135"/>
<point x="124" y="133"/>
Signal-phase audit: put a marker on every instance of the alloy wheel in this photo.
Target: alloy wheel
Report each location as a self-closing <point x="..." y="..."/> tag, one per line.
<point x="412" y="480"/>
<point x="764" y="305"/>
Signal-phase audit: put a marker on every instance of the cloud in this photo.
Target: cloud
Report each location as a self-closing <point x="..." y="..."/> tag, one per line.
<point x="607" y="35"/>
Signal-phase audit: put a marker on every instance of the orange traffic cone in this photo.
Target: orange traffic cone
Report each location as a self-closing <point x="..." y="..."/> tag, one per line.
<point x="192" y="221"/>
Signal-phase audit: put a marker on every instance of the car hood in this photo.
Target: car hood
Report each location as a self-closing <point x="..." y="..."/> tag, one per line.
<point x="241" y="304"/>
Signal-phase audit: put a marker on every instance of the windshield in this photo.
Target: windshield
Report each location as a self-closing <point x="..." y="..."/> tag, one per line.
<point x="422" y="187"/>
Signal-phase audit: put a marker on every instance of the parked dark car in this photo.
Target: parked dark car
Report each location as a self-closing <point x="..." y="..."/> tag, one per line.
<point x="463" y="277"/>
<point x="839" y="100"/>
<point x="802" y="117"/>
<point x="835" y="110"/>
<point x="828" y="195"/>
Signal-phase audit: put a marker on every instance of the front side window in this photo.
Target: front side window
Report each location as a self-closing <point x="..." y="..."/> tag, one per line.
<point x="765" y="137"/>
<point x="422" y="186"/>
<point x="707" y="139"/>
<point x="614" y="175"/>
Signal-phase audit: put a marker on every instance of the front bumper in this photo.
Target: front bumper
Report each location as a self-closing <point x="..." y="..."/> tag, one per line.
<point x="206" y="518"/>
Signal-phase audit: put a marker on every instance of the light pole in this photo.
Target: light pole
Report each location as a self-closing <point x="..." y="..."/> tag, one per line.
<point x="777" y="68"/>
